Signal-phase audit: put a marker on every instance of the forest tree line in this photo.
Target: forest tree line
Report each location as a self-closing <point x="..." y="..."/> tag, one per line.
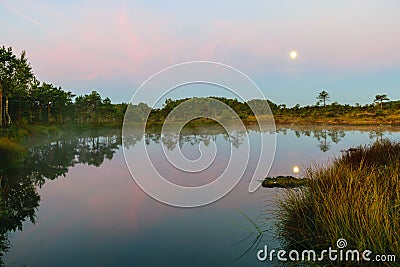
<point x="24" y="100"/>
<point x="380" y="107"/>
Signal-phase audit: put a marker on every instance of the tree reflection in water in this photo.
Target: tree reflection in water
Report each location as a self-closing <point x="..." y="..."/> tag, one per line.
<point x="22" y="172"/>
<point x="324" y="137"/>
<point x="26" y="170"/>
<point x="18" y="197"/>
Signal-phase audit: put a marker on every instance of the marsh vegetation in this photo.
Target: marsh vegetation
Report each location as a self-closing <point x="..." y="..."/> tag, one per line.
<point x="356" y="198"/>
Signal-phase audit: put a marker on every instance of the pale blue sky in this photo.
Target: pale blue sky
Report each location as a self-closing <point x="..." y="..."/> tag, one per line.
<point x="348" y="48"/>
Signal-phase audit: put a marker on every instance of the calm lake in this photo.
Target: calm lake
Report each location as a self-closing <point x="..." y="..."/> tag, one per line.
<point x="92" y="213"/>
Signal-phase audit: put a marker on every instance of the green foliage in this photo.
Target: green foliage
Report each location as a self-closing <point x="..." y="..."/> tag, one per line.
<point x="193" y="106"/>
<point x="16" y="77"/>
<point x="10" y="153"/>
<point x="138" y="113"/>
<point x="26" y="101"/>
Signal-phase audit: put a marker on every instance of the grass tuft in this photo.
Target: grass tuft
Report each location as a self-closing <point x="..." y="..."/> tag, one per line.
<point x="356" y="198"/>
<point x="10" y="152"/>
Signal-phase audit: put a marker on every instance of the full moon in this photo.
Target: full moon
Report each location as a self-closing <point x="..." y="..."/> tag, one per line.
<point x="293" y="54"/>
<point x="296" y="169"/>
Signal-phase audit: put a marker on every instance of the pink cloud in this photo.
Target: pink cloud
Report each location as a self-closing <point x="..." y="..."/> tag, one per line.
<point x="135" y="42"/>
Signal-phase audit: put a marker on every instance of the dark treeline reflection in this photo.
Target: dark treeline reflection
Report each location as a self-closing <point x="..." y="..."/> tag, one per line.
<point x="25" y="169"/>
<point x="326" y="137"/>
<point x="194" y="137"/>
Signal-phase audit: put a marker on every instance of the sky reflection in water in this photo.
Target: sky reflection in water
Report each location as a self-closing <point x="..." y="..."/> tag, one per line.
<point x="97" y="216"/>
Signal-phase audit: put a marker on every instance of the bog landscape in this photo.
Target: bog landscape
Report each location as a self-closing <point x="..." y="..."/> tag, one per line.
<point x="62" y="176"/>
<point x="199" y="133"/>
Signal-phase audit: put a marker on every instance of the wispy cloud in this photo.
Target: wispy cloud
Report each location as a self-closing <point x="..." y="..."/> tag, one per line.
<point x="124" y="40"/>
<point x="25" y="17"/>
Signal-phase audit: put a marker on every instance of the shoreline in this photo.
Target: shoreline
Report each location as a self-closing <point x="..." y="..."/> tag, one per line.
<point x="340" y="121"/>
<point x="22" y="132"/>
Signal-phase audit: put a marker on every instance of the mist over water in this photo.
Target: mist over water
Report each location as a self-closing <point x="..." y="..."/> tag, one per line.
<point x="88" y="211"/>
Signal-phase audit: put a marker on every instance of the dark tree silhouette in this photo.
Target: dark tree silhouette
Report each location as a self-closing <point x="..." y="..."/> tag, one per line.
<point x="380" y="99"/>
<point x="324" y="97"/>
<point x="22" y="170"/>
<point x="16" y="76"/>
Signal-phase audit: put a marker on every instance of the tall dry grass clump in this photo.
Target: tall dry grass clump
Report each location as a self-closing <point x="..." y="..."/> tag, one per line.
<point x="356" y="198"/>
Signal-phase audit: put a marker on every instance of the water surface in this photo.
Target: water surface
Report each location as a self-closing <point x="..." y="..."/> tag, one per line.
<point x="92" y="213"/>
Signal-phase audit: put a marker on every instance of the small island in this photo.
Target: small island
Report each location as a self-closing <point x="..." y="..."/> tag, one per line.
<point x="284" y="182"/>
